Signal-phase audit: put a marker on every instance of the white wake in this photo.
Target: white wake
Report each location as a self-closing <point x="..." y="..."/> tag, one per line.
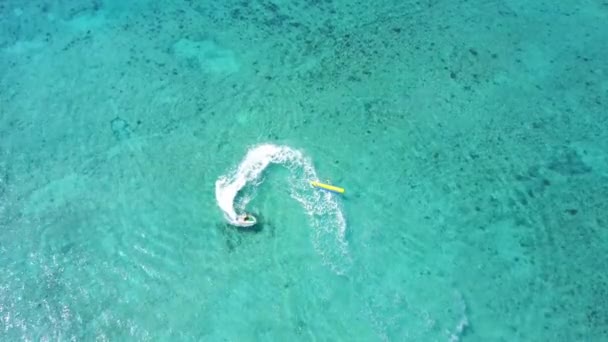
<point x="324" y="212"/>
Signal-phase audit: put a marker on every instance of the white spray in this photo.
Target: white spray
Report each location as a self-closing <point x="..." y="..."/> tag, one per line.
<point x="326" y="216"/>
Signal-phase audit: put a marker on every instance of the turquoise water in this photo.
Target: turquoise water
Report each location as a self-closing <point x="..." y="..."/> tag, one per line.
<point x="471" y="138"/>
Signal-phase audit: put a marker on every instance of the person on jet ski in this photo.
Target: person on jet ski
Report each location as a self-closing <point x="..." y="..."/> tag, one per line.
<point x="245" y="218"/>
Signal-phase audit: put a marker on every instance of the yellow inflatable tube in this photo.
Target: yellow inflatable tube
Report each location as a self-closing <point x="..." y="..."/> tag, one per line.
<point x="327" y="187"/>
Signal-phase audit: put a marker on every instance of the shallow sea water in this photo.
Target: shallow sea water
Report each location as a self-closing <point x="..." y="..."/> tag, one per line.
<point x="470" y="136"/>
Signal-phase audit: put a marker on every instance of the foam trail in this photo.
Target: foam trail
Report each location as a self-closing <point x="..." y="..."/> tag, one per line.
<point x="324" y="212"/>
<point x="463" y="323"/>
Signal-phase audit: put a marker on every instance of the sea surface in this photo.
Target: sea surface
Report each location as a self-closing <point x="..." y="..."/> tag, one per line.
<point x="470" y="136"/>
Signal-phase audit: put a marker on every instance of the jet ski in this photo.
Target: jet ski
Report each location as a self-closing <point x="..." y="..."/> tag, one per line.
<point x="245" y="220"/>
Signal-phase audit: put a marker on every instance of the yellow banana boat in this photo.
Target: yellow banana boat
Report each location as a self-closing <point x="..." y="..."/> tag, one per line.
<point x="328" y="187"/>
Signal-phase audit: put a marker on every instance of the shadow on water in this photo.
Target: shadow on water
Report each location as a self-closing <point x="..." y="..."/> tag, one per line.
<point x="258" y="227"/>
<point x="235" y="235"/>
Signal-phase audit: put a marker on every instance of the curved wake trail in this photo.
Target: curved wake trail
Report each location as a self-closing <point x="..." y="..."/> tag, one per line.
<point x="324" y="212"/>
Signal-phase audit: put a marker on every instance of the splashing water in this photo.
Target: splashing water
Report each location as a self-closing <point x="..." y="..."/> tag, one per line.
<point x="324" y="212"/>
